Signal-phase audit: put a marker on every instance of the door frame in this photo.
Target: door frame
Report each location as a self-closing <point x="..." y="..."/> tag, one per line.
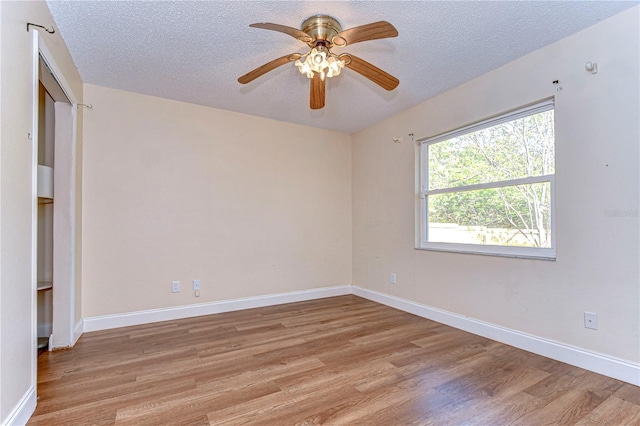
<point x="65" y="334"/>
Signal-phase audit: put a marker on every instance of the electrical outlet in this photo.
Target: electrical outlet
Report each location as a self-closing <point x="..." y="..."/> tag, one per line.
<point x="175" y="286"/>
<point x="196" y="285"/>
<point x="393" y="278"/>
<point x="591" y="320"/>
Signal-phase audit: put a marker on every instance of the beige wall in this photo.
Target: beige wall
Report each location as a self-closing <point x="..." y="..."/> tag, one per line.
<point x="175" y="191"/>
<point x="250" y="206"/>
<point x="597" y="159"/>
<point x="17" y="350"/>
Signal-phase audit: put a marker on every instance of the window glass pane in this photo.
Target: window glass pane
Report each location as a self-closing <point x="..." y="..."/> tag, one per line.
<point x="516" y="149"/>
<point x="516" y="215"/>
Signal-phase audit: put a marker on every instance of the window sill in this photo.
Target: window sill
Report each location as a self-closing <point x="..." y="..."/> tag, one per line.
<point x="519" y="253"/>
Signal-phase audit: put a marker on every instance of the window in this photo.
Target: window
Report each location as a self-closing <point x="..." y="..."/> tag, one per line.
<point x="488" y="188"/>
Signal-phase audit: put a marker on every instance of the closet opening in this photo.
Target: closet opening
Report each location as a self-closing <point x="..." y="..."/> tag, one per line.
<point x="54" y="168"/>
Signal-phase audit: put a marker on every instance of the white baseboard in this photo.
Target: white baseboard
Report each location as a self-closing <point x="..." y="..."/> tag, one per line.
<point x="168" y="314"/>
<point x="21" y="413"/>
<point x="77" y="331"/>
<point x="44" y="330"/>
<point x="603" y="364"/>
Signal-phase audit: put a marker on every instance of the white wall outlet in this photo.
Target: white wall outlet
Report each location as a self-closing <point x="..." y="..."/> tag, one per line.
<point x="393" y="278"/>
<point x="175" y="286"/>
<point x="196" y="285"/>
<point x="591" y="320"/>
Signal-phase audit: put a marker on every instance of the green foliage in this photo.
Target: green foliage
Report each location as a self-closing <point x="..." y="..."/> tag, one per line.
<point x="513" y="150"/>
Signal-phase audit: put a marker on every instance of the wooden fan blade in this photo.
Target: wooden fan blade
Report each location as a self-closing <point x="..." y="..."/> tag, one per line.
<point x="293" y="32"/>
<point x="373" y="73"/>
<point x="373" y="31"/>
<point x="252" y="75"/>
<point x="317" y="92"/>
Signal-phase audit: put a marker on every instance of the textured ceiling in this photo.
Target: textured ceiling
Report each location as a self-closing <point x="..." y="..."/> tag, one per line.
<point x="195" y="51"/>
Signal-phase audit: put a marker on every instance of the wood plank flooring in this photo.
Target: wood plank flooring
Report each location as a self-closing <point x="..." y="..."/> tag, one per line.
<point x="339" y="361"/>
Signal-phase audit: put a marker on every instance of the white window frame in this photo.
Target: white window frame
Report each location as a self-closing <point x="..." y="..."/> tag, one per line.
<point x="546" y="253"/>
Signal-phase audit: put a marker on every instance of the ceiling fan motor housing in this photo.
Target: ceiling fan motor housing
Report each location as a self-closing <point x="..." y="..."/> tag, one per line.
<point x="322" y="28"/>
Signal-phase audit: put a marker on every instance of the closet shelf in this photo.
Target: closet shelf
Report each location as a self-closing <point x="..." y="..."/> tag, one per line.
<point x="45" y="182"/>
<point x="43" y="342"/>
<point x="45" y="285"/>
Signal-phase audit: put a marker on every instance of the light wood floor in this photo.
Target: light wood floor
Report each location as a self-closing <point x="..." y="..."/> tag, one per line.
<point x="342" y="360"/>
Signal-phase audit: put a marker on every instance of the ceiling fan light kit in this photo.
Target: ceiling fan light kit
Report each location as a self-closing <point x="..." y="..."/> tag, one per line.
<point x="321" y="33"/>
<point x="322" y="61"/>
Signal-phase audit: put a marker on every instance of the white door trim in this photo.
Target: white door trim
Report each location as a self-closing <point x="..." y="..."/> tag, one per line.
<point x="63" y="314"/>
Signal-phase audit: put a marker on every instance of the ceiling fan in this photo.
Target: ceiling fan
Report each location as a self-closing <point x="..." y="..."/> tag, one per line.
<point x="321" y="33"/>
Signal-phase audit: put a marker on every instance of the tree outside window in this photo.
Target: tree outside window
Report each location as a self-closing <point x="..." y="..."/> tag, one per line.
<point x="491" y="185"/>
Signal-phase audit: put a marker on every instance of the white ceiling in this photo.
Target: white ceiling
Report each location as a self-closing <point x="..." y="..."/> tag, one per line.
<point x="195" y="51"/>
